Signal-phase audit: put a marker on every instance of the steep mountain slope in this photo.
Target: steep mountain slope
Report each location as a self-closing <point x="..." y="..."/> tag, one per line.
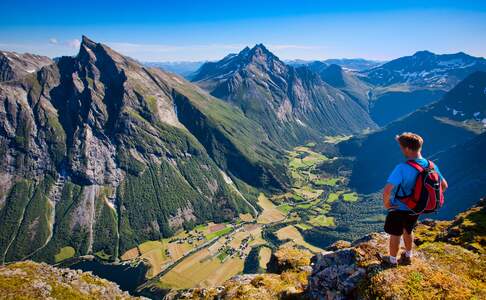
<point x="465" y="166"/>
<point x="95" y="156"/>
<point x="391" y="103"/>
<point x="15" y="65"/>
<point x="293" y="104"/>
<point x="345" y="81"/>
<point x="455" y="119"/>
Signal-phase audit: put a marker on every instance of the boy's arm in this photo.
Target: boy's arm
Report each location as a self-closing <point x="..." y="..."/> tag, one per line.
<point x="443" y="182"/>
<point x="387" y="195"/>
<point x="393" y="180"/>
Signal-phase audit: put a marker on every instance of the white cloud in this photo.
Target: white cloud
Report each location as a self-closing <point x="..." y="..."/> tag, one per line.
<point x="53" y="41"/>
<point x="131" y="47"/>
<point x="75" y="43"/>
<point x="297" y="47"/>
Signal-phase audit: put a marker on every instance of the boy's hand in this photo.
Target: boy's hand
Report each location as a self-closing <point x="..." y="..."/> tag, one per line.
<point x="389" y="206"/>
<point x="386" y="196"/>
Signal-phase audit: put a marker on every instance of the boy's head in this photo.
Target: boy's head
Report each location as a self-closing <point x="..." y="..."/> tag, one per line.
<point x="410" y="144"/>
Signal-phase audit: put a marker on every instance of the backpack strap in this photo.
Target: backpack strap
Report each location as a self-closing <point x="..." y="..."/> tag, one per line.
<point x="416" y="165"/>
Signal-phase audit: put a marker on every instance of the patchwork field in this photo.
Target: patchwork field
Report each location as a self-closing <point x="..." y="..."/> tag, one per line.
<point x="158" y="254"/>
<point x="264" y="257"/>
<point x="270" y="212"/>
<point x="212" y="265"/>
<point x="292" y="233"/>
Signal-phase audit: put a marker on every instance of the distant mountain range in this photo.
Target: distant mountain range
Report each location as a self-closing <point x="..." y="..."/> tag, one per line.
<point x="188" y="68"/>
<point x="355" y="64"/>
<point x="183" y="68"/>
<point x="425" y="69"/>
<point x="293" y="104"/>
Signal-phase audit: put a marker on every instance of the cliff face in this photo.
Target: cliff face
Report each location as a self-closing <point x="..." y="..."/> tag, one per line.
<point x="99" y="154"/>
<point x="449" y="263"/>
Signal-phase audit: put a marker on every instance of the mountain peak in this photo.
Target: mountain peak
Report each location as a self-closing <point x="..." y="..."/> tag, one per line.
<point x="259" y="50"/>
<point x="424" y="53"/>
<point x="244" y="51"/>
<point x="87" y="42"/>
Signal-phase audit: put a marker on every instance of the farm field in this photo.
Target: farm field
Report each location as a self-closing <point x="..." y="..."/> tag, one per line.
<point x="212" y="265"/>
<point x="264" y="257"/>
<point x="292" y="233"/>
<point x="64" y="253"/>
<point x="158" y="254"/>
<point x="270" y="212"/>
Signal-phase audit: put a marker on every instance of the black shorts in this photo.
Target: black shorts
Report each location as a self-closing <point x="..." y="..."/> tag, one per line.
<point x="398" y="220"/>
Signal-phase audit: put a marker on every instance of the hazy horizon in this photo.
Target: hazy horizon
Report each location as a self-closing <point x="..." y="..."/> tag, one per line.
<point x="154" y="31"/>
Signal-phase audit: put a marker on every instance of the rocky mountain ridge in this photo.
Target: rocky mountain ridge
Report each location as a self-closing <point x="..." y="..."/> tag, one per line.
<point x="294" y="105"/>
<point x="425" y="69"/>
<point x="16" y="65"/>
<point x="99" y="154"/>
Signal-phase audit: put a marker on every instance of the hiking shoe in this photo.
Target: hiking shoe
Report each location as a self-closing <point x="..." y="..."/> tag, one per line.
<point x="386" y="261"/>
<point x="405" y="260"/>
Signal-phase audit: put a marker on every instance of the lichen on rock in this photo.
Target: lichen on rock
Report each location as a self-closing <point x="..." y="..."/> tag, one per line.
<point x="30" y="280"/>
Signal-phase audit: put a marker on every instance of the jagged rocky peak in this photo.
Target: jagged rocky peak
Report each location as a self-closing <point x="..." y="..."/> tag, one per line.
<point x="16" y="65"/>
<point x="91" y="51"/>
<point x="259" y="50"/>
<point x="248" y="62"/>
<point x="271" y="92"/>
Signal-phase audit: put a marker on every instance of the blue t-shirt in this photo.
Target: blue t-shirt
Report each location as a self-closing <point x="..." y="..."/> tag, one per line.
<point x="404" y="176"/>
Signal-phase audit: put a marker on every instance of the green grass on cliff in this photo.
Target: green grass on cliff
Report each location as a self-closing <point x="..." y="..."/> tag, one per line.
<point x="64" y="253"/>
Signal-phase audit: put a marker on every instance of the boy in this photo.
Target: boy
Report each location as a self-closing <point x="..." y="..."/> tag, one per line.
<point x="400" y="221"/>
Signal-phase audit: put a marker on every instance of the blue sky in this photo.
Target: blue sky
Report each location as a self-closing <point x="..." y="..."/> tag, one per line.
<point x="208" y="30"/>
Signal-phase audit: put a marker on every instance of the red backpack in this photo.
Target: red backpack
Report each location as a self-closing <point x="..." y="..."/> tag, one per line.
<point x="427" y="195"/>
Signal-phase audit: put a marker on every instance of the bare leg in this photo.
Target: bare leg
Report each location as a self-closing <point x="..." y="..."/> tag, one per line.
<point x="394" y="245"/>
<point x="408" y="240"/>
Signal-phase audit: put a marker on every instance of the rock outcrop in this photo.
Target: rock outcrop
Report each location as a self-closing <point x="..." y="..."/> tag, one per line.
<point x="449" y="263"/>
<point x="30" y="280"/>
